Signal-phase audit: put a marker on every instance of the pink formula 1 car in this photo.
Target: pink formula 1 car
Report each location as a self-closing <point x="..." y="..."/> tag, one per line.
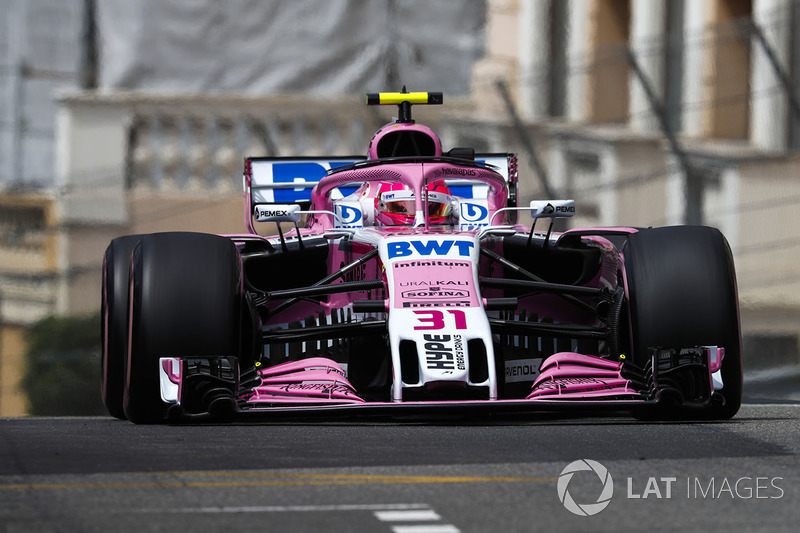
<point x="401" y="284"/>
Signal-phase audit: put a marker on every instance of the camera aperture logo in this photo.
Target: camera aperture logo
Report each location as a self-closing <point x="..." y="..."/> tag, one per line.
<point x="585" y="509"/>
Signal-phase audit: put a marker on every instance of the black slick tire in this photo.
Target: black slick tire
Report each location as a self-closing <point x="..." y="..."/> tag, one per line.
<point x="114" y="317"/>
<point x="682" y="293"/>
<point x="186" y="301"/>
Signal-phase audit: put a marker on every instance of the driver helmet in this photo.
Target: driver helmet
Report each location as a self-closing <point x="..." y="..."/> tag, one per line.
<point x="394" y="204"/>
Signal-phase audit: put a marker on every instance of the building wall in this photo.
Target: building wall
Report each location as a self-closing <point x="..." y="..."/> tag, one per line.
<point x="728" y="65"/>
<point x="13" y="401"/>
<point x="611" y="154"/>
<point x="30" y="243"/>
<point x="609" y="23"/>
<point x="501" y="56"/>
<point x="768" y="247"/>
<point x="643" y="184"/>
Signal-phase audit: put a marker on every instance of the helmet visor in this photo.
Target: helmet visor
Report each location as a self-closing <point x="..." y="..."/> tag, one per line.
<point x="401" y="203"/>
<point x="399" y="207"/>
<point x="440" y="205"/>
<point x="438" y="209"/>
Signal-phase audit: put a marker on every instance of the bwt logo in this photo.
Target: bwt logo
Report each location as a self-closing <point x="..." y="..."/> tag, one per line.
<point x="406" y="248"/>
<point x="473" y="212"/>
<point x="348" y="215"/>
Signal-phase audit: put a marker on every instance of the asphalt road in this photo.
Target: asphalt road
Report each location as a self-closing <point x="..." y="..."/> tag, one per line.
<point x="98" y="474"/>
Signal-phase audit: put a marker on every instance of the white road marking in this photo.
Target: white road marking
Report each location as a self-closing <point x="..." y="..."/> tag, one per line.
<point x="427" y="528"/>
<point x="402" y="517"/>
<point x="399" y="513"/>
<point x="407" y="516"/>
<point x="295" y="508"/>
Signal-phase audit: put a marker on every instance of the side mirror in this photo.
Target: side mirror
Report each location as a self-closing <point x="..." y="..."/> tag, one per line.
<point x="552" y="209"/>
<point x="277" y="213"/>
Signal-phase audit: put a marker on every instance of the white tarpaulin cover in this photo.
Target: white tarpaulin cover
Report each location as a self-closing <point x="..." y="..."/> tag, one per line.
<point x="250" y="46"/>
<point x="310" y="46"/>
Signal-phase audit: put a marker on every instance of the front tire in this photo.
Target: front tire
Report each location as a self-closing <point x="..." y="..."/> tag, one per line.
<point x="114" y="317"/>
<point x="682" y="293"/>
<point x="185" y="301"/>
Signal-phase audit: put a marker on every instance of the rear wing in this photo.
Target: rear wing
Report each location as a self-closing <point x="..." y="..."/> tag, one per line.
<point x="290" y="180"/>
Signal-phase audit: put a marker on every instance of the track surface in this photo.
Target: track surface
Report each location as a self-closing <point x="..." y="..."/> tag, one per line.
<point x="87" y="474"/>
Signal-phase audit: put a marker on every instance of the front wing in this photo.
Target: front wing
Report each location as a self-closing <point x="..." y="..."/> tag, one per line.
<point x="569" y="383"/>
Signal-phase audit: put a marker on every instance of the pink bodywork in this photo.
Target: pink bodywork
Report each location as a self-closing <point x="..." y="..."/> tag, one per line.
<point x="320" y="381"/>
<point x="313" y="381"/>
<point x="570" y="375"/>
<point x="564" y="376"/>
